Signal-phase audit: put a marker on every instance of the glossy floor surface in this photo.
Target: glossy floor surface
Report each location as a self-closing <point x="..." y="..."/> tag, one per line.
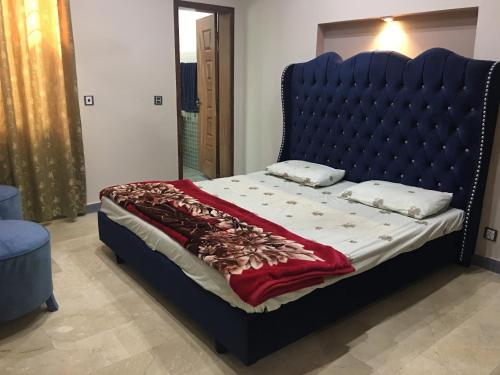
<point x="110" y="322"/>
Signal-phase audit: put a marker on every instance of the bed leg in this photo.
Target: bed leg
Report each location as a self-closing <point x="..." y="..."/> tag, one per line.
<point x="52" y="303"/>
<point x="119" y="260"/>
<point x="219" y="348"/>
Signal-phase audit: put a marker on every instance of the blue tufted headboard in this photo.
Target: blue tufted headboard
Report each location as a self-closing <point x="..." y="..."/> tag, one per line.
<point x="427" y="122"/>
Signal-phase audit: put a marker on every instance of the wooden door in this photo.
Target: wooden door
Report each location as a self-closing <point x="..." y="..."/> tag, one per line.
<point x="207" y="94"/>
<point x="225" y="91"/>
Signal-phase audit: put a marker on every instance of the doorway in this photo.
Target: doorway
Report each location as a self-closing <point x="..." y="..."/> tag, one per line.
<point x="204" y="42"/>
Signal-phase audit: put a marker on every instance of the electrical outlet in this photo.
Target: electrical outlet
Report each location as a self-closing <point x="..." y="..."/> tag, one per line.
<point x="88" y="99"/>
<point x="158" y="100"/>
<point x="490" y="234"/>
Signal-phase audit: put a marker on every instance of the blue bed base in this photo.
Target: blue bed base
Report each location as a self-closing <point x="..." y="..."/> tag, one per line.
<point x="426" y="122"/>
<point x="250" y="337"/>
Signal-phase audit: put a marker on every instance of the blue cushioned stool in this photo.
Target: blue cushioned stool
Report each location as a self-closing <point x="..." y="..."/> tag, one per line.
<point x="25" y="269"/>
<point x="10" y="203"/>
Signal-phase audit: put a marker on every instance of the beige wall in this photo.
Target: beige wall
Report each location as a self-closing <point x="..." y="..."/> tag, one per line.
<point x="125" y="56"/>
<point x="285" y="31"/>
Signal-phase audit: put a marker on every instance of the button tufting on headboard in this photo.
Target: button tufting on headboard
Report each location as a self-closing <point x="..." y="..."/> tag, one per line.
<point x="425" y="122"/>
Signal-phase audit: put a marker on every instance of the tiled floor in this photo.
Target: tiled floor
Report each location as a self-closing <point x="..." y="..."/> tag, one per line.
<point x="110" y="322"/>
<point x="193" y="174"/>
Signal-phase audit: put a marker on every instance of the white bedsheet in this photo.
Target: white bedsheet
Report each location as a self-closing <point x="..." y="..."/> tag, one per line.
<point x="367" y="236"/>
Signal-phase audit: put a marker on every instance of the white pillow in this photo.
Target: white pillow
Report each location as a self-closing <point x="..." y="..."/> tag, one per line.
<point x="407" y="200"/>
<point x="306" y="173"/>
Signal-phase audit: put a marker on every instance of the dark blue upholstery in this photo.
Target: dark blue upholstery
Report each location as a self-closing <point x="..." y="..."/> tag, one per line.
<point x="20" y="237"/>
<point x="381" y="115"/>
<point x="252" y="336"/>
<point x="25" y="269"/>
<point x="10" y="203"/>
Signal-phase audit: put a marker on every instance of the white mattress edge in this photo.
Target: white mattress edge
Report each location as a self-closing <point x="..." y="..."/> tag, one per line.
<point x="211" y="280"/>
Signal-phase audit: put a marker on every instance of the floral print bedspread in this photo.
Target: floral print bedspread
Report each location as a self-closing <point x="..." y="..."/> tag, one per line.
<point x="258" y="258"/>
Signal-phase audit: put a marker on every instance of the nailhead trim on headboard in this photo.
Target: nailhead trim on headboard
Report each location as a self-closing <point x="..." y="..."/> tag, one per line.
<point x="283" y="135"/>
<point x="479" y="161"/>
<point x="335" y="89"/>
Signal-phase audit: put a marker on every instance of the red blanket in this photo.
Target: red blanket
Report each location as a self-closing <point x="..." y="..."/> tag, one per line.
<point x="259" y="259"/>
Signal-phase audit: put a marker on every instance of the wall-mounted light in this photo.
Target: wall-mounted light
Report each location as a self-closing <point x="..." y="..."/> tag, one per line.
<point x="388" y="19"/>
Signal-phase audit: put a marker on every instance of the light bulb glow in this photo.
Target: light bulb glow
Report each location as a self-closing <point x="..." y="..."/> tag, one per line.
<point x="392" y="37"/>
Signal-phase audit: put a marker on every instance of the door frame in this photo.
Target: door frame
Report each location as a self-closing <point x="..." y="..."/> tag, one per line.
<point x="218" y="10"/>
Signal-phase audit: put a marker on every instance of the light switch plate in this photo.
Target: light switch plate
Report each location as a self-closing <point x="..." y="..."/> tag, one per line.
<point x="158" y="100"/>
<point x="88" y="99"/>
<point x="490" y="234"/>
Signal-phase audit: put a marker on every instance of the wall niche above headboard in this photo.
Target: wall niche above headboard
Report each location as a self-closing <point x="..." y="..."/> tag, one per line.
<point x="409" y="34"/>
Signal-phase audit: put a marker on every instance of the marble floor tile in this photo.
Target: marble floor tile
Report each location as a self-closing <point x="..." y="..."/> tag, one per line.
<point x="111" y="322"/>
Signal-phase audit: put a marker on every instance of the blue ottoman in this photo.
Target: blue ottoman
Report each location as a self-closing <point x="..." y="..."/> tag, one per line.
<point x="10" y="203"/>
<point x="25" y="269"/>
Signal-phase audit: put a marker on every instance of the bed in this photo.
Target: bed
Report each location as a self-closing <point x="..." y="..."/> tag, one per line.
<point x="426" y="122"/>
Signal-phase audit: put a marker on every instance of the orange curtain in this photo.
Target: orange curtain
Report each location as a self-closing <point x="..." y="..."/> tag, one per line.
<point x="41" y="149"/>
